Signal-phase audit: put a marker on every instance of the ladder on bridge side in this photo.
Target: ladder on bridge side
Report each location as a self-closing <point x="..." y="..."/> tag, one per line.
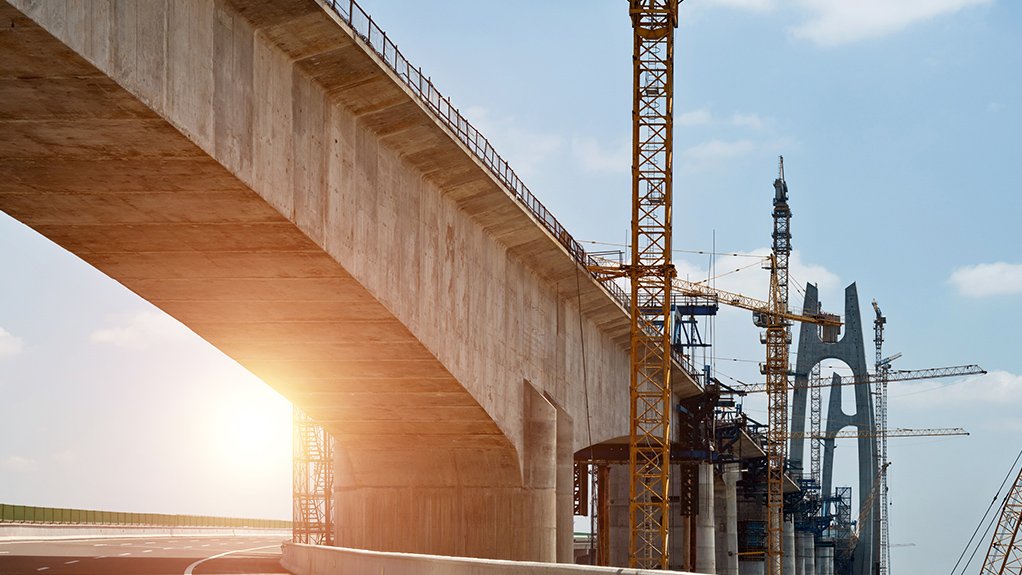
<point x="313" y="482"/>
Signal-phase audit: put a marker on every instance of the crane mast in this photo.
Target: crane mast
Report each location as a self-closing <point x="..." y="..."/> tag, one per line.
<point x="650" y="272"/>
<point x="778" y="339"/>
<point x="880" y="373"/>
<point x="815" y="422"/>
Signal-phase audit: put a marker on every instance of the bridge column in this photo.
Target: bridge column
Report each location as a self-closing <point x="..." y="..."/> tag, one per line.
<point x="789" y="547"/>
<point x="618" y="506"/>
<point x="810" y="554"/>
<point x="472" y="502"/>
<point x="706" y="555"/>
<point x="732" y="473"/>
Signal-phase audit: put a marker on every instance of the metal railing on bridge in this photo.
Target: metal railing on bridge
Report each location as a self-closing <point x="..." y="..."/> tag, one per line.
<point x="61" y="516"/>
<point x="422" y="86"/>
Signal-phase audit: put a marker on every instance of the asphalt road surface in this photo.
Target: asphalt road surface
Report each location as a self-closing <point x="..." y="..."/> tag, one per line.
<point x="186" y="555"/>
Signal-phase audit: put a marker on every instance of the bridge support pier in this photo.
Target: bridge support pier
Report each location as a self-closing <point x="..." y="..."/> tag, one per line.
<point x="706" y="554"/>
<point x="789" y="547"/>
<point x="732" y="473"/>
<point x="487" y="503"/>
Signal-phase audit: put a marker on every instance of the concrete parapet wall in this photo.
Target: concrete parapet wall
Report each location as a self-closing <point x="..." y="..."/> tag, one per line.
<point x="314" y="560"/>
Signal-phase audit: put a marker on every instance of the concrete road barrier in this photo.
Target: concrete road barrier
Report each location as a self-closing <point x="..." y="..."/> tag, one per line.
<point x="316" y="560"/>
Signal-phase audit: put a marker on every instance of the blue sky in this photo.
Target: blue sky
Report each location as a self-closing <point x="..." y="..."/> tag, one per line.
<point x="899" y="124"/>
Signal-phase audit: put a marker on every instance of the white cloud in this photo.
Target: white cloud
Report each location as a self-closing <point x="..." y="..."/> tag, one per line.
<point x="525" y="150"/>
<point x="16" y="463"/>
<point x="754" y="5"/>
<point x="832" y="23"/>
<point x="997" y="388"/>
<point x="140" y="330"/>
<point x="747" y="121"/>
<point x="713" y="151"/>
<point x="594" y="157"/>
<point x="65" y="457"/>
<point x="984" y="280"/>
<point x="699" y="117"/>
<point x="9" y="344"/>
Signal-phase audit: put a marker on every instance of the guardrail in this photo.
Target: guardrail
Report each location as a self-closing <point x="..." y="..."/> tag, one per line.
<point x="59" y="516"/>
<point x="422" y="86"/>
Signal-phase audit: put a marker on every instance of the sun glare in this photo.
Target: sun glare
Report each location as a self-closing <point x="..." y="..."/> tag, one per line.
<point x="252" y="425"/>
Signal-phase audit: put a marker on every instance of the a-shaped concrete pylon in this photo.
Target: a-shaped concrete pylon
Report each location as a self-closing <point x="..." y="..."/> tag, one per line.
<point x="849" y="349"/>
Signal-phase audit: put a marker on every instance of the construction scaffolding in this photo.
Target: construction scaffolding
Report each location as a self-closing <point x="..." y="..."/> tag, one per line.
<point x="313" y="482"/>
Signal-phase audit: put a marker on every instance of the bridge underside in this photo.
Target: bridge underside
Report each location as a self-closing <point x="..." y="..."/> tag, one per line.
<point x="87" y="165"/>
<point x="246" y="166"/>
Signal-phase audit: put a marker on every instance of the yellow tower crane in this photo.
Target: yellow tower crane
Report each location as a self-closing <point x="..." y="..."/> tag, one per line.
<point x="778" y="340"/>
<point x="650" y="272"/>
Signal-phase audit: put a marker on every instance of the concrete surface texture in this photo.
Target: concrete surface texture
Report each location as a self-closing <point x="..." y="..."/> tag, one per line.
<point x="312" y="560"/>
<point x="255" y="172"/>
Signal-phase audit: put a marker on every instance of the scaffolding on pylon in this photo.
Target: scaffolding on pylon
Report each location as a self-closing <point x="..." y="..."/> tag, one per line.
<point x="313" y="482"/>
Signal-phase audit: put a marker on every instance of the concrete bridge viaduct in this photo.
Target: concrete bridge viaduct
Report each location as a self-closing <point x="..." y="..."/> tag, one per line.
<point x="258" y="172"/>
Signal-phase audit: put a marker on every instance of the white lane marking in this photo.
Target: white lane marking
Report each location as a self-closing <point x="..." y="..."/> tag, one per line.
<point x="123" y="554"/>
<point x="42" y="569"/>
<point x="71" y="562"/>
<point x="100" y="557"/>
<point x="206" y="545"/>
<point x="99" y="544"/>
<point x="167" y="548"/>
<point x="4" y="552"/>
<point x="148" y="551"/>
<point x="191" y="567"/>
<point x="150" y="543"/>
<point x="187" y="547"/>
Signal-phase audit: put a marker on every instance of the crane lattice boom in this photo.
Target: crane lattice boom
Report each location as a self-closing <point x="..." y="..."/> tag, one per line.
<point x="896" y="432"/>
<point x="697" y="289"/>
<point x="894" y="375"/>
